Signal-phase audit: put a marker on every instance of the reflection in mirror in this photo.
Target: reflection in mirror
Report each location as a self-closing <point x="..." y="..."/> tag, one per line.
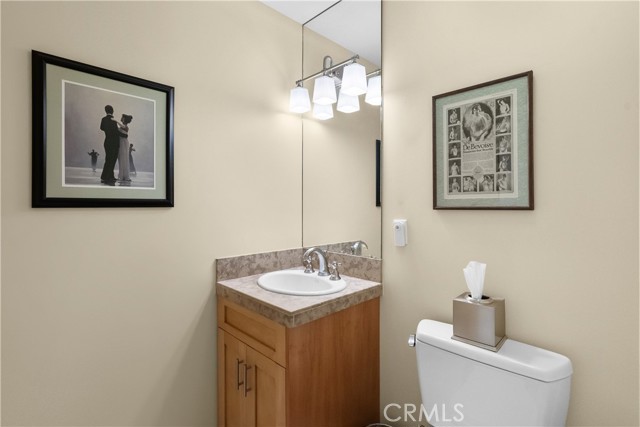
<point x="339" y="154"/>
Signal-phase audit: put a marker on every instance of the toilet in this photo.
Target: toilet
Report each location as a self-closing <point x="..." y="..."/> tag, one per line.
<point x="464" y="385"/>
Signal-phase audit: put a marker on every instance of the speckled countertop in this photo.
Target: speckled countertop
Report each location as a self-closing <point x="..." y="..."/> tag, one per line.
<point x="291" y="310"/>
<point x="237" y="281"/>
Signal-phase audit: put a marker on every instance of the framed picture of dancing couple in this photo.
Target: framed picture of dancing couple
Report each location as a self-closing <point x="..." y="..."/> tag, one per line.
<point x="100" y="138"/>
<point x="483" y="146"/>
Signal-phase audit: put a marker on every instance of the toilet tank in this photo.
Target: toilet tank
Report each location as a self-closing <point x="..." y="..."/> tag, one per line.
<point x="464" y="385"/>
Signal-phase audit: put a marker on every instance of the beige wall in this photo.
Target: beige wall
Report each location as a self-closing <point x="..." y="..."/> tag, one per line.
<point x="569" y="269"/>
<point x="108" y="315"/>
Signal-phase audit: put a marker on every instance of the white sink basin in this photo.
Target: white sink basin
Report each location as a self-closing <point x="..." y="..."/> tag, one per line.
<point x="297" y="282"/>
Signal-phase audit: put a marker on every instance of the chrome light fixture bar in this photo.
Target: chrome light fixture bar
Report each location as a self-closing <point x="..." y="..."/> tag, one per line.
<point x="327" y="70"/>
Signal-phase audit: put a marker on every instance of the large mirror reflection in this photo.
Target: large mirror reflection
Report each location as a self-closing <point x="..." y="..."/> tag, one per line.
<point x="339" y="154"/>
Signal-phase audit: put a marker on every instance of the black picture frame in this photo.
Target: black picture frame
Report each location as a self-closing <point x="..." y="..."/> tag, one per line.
<point x="483" y="146"/>
<point x="69" y="101"/>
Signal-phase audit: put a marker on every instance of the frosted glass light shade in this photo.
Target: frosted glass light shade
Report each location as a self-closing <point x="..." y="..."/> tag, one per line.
<point x="354" y="79"/>
<point x="374" y="91"/>
<point x="322" y="112"/>
<point x="348" y="103"/>
<point x="324" y="91"/>
<point x="299" y="100"/>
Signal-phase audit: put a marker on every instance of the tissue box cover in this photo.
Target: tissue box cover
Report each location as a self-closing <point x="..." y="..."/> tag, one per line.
<point x="479" y="323"/>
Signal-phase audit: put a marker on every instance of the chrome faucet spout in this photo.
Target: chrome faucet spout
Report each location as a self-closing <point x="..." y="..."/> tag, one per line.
<point x="322" y="259"/>
<point x="356" y="248"/>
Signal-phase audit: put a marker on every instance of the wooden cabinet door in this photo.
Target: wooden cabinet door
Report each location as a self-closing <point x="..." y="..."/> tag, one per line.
<point x="251" y="387"/>
<point x="266" y="391"/>
<point x="232" y="407"/>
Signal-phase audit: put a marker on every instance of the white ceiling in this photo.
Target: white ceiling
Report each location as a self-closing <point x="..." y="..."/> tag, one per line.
<point x="299" y="10"/>
<point x="353" y="24"/>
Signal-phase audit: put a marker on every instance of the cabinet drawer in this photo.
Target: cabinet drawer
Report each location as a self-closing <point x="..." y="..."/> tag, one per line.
<point x="264" y="335"/>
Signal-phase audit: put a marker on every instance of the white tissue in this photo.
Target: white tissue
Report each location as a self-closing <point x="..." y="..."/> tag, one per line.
<point x="474" y="275"/>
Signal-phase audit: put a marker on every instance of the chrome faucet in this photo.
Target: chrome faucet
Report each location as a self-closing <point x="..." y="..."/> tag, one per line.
<point x="322" y="260"/>
<point x="356" y="248"/>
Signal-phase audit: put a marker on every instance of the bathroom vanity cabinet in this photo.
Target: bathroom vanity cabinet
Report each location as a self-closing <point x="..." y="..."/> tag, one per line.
<point x="324" y="372"/>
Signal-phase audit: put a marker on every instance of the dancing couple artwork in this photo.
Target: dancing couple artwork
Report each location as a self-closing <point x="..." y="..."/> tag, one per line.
<point x="117" y="148"/>
<point x="89" y="124"/>
<point x="103" y="132"/>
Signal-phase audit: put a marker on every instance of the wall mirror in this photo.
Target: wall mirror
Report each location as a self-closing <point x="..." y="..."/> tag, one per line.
<point x="340" y="160"/>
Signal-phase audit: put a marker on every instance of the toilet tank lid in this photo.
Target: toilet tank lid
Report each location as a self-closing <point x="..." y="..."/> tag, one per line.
<point x="519" y="358"/>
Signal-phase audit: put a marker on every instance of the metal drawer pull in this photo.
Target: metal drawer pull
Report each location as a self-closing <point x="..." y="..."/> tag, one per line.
<point x="246" y="380"/>
<point x="238" y="382"/>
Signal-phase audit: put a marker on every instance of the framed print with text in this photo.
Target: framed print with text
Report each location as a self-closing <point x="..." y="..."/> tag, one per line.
<point x="100" y="138"/>
<point x="483" y="146"/>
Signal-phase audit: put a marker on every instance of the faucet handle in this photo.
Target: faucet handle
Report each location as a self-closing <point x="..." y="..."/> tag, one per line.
<point x="333" y="268"/>
<point x="308" y="266"/>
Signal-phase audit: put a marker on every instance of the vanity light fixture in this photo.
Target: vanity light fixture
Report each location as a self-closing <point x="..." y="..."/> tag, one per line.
<point x="348" y="75"/>
<point x="354" y="79"/>
<point x="323" y="112"/>
<point x="324" y="91"/>
<point x="347" y="103"/>
<point x="374" y="90"/>
<point x="299" y="100"/>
